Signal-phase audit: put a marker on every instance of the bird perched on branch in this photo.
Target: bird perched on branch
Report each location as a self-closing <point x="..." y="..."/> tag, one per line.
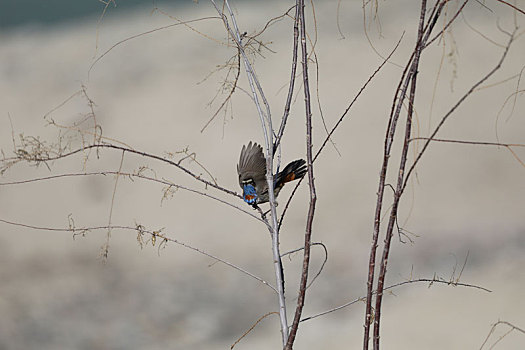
<point x="252" y="174"/>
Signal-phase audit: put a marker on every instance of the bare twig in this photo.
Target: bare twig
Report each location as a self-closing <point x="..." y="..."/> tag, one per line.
<point x="508" y="146"/>
<point x="292" y="81"/>
<point x="397" y="194"/>
<point x="430" y="281"/>
<point x="106" y="3"/>
<point x="513" y="6"/>
<point x="145" y="33"/>
<point x="311" y="183"/>
<point x="453" y="108"/>
<point x="138" y="176"/>
<point x="436" y="16"/>
<point x="266" y="124"/>
<point x="105" y="247"/>
<point x="144" y="154"/>
<point x="345" y="113"/>
<point x="230" y="94"/>
<point x="322" y="265"/>
<point x="423" y="35"/>
<point x="253" y="326"/>
<point x="141" y="230"/>
<point x="493" y="328"/>
<point x="406" y="77"/>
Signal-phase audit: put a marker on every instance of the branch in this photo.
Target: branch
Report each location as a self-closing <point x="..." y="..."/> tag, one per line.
<point x="313" y="195"/>
<point x="252" y="327"/>
<point x="139" y="176"/>
<point x="105" y="247"/>
<point x="345" y="113"/>
<point x="441" y="5"/>
<point x="145" y="33"/>
<point x="508" y="146"/>
<point x="397" y="194"/>
<point x="230" y="94"/>
<point x="140" y="230"/>
<point x="419" y="280"/>
<point x="400" y="94"/>
<point x="493" y="328"/>
<point x="292" y="80"/>
<point x="453" y="109"/>
<point x="402" y="179"/>
<point x="510" y="5"/>
<point x="322" y="265"/>
<point x="144" y="154"/>
<point x="266" y="124"/>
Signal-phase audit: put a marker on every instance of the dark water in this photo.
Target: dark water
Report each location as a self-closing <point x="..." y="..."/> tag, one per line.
<point x="17" y="13"/>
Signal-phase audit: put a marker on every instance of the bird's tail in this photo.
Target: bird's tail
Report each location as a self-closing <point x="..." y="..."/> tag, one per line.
<point x="293" y="171"/>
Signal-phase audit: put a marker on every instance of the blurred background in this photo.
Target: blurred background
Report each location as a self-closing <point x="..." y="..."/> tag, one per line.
<point x="157" y="91"/>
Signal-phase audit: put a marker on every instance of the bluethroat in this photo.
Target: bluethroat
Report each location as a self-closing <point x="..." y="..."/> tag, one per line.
<point x="252" y="174"/>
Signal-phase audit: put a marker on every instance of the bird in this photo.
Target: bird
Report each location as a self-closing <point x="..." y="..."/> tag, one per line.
<point x="252" y="174"/>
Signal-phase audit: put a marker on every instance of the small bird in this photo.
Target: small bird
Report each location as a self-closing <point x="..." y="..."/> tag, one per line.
<point x="252" y="174"/>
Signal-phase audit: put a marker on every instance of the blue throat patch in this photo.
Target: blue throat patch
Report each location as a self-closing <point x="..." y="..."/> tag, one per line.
<point x="249" y="194"/>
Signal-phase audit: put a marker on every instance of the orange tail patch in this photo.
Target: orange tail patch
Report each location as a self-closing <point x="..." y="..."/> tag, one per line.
<point x="289" y="177"/>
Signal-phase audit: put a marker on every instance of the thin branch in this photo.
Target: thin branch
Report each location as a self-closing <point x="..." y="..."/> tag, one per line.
<point x="144" y="154"/>
<point x="397" y="194"/>
<point x="465" y="142"/>
<point x="230" y="94"/>
<point x="142" y="34"/>
<point x="479" y="32"/>
<point x="272" y="20"/>
<point x="311" y="183"/>
<point x="345" y="113"/>
<point x="252" y="327"/>
<point x="99" y="21"/>
<point x="493" y="328"/>
<point x="141" y="230"/>
<point x="105" y="247"/>
<point x="139" y="176"/>
<point x="350" y="105"/>
<point x="453" y="109"/>
<point x="363" y="7"/>
<point x="399" y="97"/>
<point x="268" y="133"/>
<point x="418" y="280"/>
<point x="508" y="146"/>
<point x="292" y="80"/>
<point x="322" y="265"/>
<point x="442" y="4"/>
<point x="513" y="6"/>
<point x="319" y="105"/>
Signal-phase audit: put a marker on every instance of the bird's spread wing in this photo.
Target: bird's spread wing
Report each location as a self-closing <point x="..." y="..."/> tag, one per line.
<point x="252" y="164"/>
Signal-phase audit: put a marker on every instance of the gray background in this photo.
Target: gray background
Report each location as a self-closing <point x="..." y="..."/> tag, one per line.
<point x="151" y="94"/>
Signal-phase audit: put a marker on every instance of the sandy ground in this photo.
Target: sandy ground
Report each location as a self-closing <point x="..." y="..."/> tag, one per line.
<point x="150" y="93"/>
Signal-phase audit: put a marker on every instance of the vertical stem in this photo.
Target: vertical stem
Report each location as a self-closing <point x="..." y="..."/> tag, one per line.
<point x="412" y="78"/>
<point x="392" y="123"/>
<point x="399" y="97"/>
<point x="277" y="263"/>
<point x="266" y="124"/>
<point x="313" y="195"/>
<point x="292" y="79"/>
